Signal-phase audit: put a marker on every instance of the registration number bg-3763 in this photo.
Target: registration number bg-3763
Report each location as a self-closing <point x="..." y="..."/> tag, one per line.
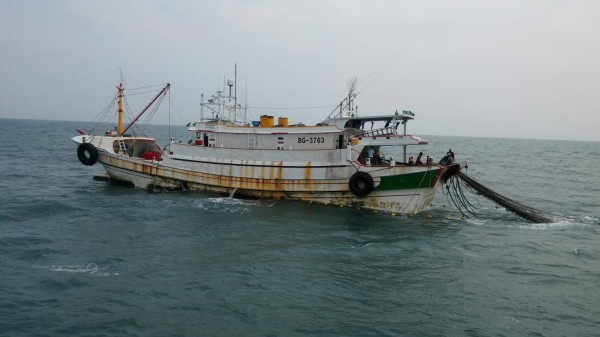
<point x="311" y="140"/>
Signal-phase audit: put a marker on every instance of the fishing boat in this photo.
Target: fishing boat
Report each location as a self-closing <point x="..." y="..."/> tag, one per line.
<point x="346" y="160"/>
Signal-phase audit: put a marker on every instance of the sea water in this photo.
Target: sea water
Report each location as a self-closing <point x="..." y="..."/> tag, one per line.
<point x="80" y="257"/>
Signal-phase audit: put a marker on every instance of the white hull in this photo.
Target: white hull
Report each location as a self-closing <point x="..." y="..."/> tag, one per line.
<point x="326" y="185"/>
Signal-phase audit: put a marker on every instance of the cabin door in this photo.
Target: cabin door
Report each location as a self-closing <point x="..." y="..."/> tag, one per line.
<point x="341" y="142"/>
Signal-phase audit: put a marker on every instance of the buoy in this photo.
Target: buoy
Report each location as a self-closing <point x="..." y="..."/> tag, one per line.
<point x="341" y="205"/>
<point x="393" y="214"/>
<point x="410" y="215"/>
<point x="430" y="215"/>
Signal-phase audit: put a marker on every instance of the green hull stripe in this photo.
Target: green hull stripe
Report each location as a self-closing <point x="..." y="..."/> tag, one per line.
<point x="424" y="179"/>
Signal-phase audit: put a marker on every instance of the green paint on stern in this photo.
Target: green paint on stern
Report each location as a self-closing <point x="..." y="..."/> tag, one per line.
<point x="423" y="179"/>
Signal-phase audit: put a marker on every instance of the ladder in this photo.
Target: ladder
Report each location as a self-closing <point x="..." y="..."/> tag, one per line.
<point x="122" y="147"/>
<point x="251" y="140"/>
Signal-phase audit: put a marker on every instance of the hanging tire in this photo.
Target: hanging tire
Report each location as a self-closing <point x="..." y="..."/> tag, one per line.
<point x="361" y="184"/>
<point x="87" y="154"/>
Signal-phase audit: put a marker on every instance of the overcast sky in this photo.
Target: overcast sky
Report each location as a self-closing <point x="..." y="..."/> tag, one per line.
<point x="518" y="69"/>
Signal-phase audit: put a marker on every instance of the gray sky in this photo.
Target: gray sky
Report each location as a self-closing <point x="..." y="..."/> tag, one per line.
<point x="518" y="69"/>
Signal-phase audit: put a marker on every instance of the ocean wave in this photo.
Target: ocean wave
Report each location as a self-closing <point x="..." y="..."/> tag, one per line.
<point x="558" y="223"/>
<point x="476" y="221"/>
<point x="21" y="210"/>
<point x="84" y="268"/>
<point x="591" y="220"/>
<point x="561" y="223"/>
<point x="231" y="205"/>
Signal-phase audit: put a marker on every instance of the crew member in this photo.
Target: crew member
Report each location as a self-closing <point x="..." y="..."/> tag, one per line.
<point x="370" y="153"/>
<point x="446" y="160"/>
<point x="419" y="162"/>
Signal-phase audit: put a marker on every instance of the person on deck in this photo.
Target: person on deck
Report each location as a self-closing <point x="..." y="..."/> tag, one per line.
<point x="451" y="154"/>
<point x="378" y="157"/>
<point x="370" y="153"/>
<point x="419" y="162"/>
<point x="446" y="160"/>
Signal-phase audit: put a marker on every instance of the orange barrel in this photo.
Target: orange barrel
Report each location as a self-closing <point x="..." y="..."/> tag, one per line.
<point x="267" y="121"/>
<point x="283" y="121"/>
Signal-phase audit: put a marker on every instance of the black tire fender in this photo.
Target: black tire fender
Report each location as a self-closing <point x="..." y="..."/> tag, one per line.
<point x="87" y="154"/>
<point x="361" y="184"/>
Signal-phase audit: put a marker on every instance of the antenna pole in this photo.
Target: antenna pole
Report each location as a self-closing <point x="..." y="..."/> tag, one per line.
<point x="235" y="88"/>
<point x="202" y="105"/>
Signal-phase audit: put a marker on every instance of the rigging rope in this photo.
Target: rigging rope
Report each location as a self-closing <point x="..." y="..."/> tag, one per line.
<point x="143" y="92"/>
<point x="380" y="70"/>
<point x="149" y="86"/>
<point x="299" y="108"/>
<point x="418" y="187"/>
<point x="103" y="116"/>
<point x="183" y="122"/>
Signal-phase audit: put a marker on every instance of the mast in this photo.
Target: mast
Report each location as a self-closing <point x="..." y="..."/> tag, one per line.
<point x="202" y="105"/>
<point x="120" y="123"/>
<point x="235" y="89"/>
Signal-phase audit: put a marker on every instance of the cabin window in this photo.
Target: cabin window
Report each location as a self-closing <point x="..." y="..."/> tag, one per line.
<point x="354" y="124"/>
<point x="341" y="142"/>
